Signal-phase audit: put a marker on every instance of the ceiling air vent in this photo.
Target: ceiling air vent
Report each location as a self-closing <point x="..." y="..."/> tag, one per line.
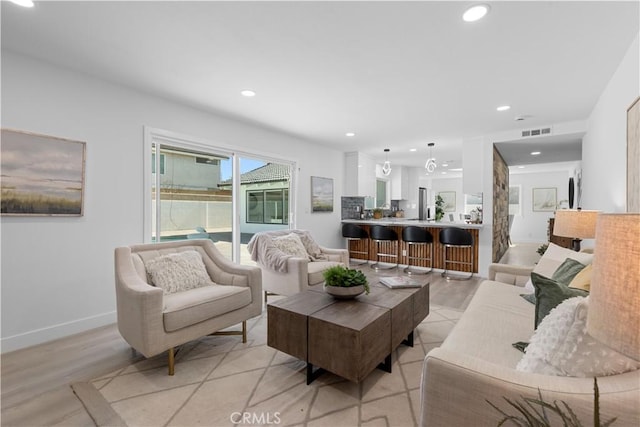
<point x="536" y="132"/>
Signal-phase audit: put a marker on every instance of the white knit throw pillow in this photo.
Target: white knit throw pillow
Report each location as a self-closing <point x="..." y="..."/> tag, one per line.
<point x="178" y="272"/>
<point x="562" y="346"/>
<point x="291" y="245"/>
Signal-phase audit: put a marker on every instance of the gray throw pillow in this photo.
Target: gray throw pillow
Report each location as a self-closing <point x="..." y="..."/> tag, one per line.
<point x="549" y="294"/>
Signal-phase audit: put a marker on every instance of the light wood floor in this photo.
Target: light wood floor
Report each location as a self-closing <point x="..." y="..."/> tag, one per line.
<point x="35" y="381"/>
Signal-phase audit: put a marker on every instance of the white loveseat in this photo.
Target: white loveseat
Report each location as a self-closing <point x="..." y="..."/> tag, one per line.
<point x="477" y="362"/>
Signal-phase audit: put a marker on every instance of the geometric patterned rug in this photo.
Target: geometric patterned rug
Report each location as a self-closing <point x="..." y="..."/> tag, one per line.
<point x="220" y="381"/>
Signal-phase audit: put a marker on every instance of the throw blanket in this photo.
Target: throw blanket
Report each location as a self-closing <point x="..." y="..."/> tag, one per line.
<point x="263" y="251"/>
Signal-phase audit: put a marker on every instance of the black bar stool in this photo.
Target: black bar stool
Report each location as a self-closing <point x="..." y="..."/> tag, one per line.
<point x="355" y="233"/>
<point x="417" y="236"/>
<point x="381" y="234"/>
<point x="451" y="238"/>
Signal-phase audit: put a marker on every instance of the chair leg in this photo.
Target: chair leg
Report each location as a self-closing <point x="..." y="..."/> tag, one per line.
<point x="244" y="331"/>
<point x="172" y="361"/>
<point x="448" y="277"/>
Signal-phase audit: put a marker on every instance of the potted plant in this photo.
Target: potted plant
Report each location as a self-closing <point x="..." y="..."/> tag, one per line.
<point x="343" y="282"/>
<point x="439" y="207"/>
<point x="377" y="213"/>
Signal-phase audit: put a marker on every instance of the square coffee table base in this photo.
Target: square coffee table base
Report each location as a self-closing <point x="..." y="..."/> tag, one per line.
<point x="312" y="374"/>
<point x="385" y="366"/>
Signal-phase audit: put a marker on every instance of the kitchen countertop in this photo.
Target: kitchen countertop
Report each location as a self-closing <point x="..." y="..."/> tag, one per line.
<point x="409" y="221"/>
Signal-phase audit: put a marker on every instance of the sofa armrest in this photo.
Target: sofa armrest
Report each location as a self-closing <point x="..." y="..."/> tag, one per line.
<point x="510" y="274"/>
<point x="455" y="389"/>
<point x="341" y="255"/>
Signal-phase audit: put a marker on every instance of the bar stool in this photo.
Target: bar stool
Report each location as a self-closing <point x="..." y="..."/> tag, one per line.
<point x="380" y="234"/>
<point x="417" y="236"/>
<point x="452" y="238"/>
<point x="355" y="233"/>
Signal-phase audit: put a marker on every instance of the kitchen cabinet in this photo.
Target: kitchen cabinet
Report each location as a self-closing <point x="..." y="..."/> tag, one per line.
<point x="360" y="175"/>
<point x="399" y="183"/>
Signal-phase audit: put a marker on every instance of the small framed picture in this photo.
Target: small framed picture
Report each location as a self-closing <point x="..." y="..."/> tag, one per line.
<point x="449" y="198"/>
<point x="544" y="199"/>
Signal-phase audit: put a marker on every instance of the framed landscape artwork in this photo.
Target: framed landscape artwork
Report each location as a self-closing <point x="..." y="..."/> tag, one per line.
<point x="449" y="198"/>
<point x="321" y="194"/>
<point x="515" y="200"/>
<point x="544" y="199"/>
<point x="41" y="175"/>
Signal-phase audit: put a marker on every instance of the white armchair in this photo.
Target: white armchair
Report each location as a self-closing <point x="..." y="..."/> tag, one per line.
<point x="152" y="321"/>
<point x="287" y="274"/>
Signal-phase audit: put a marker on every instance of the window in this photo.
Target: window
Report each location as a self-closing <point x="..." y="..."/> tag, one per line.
<point x="268" y="206"/>
<point x="381" y="192"/>
<point x="153" y="163"/>
<point x="201" y="192"/>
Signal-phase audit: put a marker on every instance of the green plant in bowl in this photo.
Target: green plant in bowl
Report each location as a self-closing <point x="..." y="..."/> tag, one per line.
<point x="340" y="276"/>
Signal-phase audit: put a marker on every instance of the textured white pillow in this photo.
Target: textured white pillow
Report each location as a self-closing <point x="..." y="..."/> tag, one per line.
<point x="553" y="257"/>
<point x="561" y="346"/>
<point x="291" y="245"/>
<point x="312" y="248"/>
<point x="178" y="272"/>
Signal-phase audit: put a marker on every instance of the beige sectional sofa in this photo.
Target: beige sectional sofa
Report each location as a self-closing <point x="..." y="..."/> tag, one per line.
<point x="477" y="363"/>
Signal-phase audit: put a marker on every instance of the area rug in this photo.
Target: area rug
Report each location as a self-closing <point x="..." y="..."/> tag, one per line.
<point x="220" y="381"/>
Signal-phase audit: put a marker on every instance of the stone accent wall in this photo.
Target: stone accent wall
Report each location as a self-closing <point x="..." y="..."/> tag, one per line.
<point x="500" y="206"/>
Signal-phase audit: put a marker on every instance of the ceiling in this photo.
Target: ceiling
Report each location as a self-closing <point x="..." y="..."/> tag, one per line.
<point x="398" y="74"/>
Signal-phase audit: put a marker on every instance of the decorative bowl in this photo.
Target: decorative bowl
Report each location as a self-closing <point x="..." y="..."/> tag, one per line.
<point x="341" y="292"/>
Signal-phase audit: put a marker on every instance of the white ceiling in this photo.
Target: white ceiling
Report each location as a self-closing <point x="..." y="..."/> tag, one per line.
<point x="399" y="74"/>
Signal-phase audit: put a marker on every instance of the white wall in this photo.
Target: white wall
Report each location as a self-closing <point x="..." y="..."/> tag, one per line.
<point x="532" y="226"/>
<point x="604" y="147"/>
<point x="57" y="273"/>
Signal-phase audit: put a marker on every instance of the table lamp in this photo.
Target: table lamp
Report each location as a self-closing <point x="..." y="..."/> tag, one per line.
<point x="577" y="224"/>
<point x="614" y="298"/>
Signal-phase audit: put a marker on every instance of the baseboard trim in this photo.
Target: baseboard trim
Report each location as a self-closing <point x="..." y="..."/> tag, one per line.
<point x="50" y="333"/>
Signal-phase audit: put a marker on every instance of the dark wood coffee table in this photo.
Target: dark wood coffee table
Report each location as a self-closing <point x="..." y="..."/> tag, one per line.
<point x="347" y="337"/>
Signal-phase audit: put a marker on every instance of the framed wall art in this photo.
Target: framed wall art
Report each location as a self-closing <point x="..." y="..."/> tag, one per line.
<point x="544" y="199"/>
<point x="41" y="175"/>
<point x="321" y="194"/>
<point x="449" y="198"/>
<point x="515" y="200"/>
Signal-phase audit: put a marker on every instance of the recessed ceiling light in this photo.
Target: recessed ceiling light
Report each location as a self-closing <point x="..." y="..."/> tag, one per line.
<point x="503" y="108"/>
<point x="444" y="165"/>
<point x="350" y="134"/>
<point x="413" y="149"/>
<point x="443" y="173"/>
<point x="456" y="170"/>
<point x="520" y="167"/>
<point x="23" y="3"/>
<point x="535" y="153"/>
<point x="248" y="93"/>
<point x="475" y="13"/>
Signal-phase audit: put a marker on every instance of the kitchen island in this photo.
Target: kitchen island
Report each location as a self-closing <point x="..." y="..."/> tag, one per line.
<point x="434" y="228"/>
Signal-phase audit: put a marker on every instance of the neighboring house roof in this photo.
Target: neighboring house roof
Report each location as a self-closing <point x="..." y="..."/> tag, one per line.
<point x="267" y="173"/>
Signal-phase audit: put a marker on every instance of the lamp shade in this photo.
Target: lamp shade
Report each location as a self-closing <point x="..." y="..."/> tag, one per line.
<point x="614" y="299"/>
<point x="577" y="224"/>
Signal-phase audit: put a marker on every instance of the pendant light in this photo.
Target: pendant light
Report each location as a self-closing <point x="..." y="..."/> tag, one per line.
<point x="386" y="167"/>
<point x="430" y="166"/>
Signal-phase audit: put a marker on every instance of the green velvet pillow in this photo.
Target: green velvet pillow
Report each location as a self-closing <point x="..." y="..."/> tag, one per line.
<point x="563" y="274"/>
<point x="549" y="294"/>
<point x="567" y="271"/>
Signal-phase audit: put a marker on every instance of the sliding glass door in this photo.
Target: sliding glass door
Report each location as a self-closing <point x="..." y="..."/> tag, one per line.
<point x="196" y="191"/>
